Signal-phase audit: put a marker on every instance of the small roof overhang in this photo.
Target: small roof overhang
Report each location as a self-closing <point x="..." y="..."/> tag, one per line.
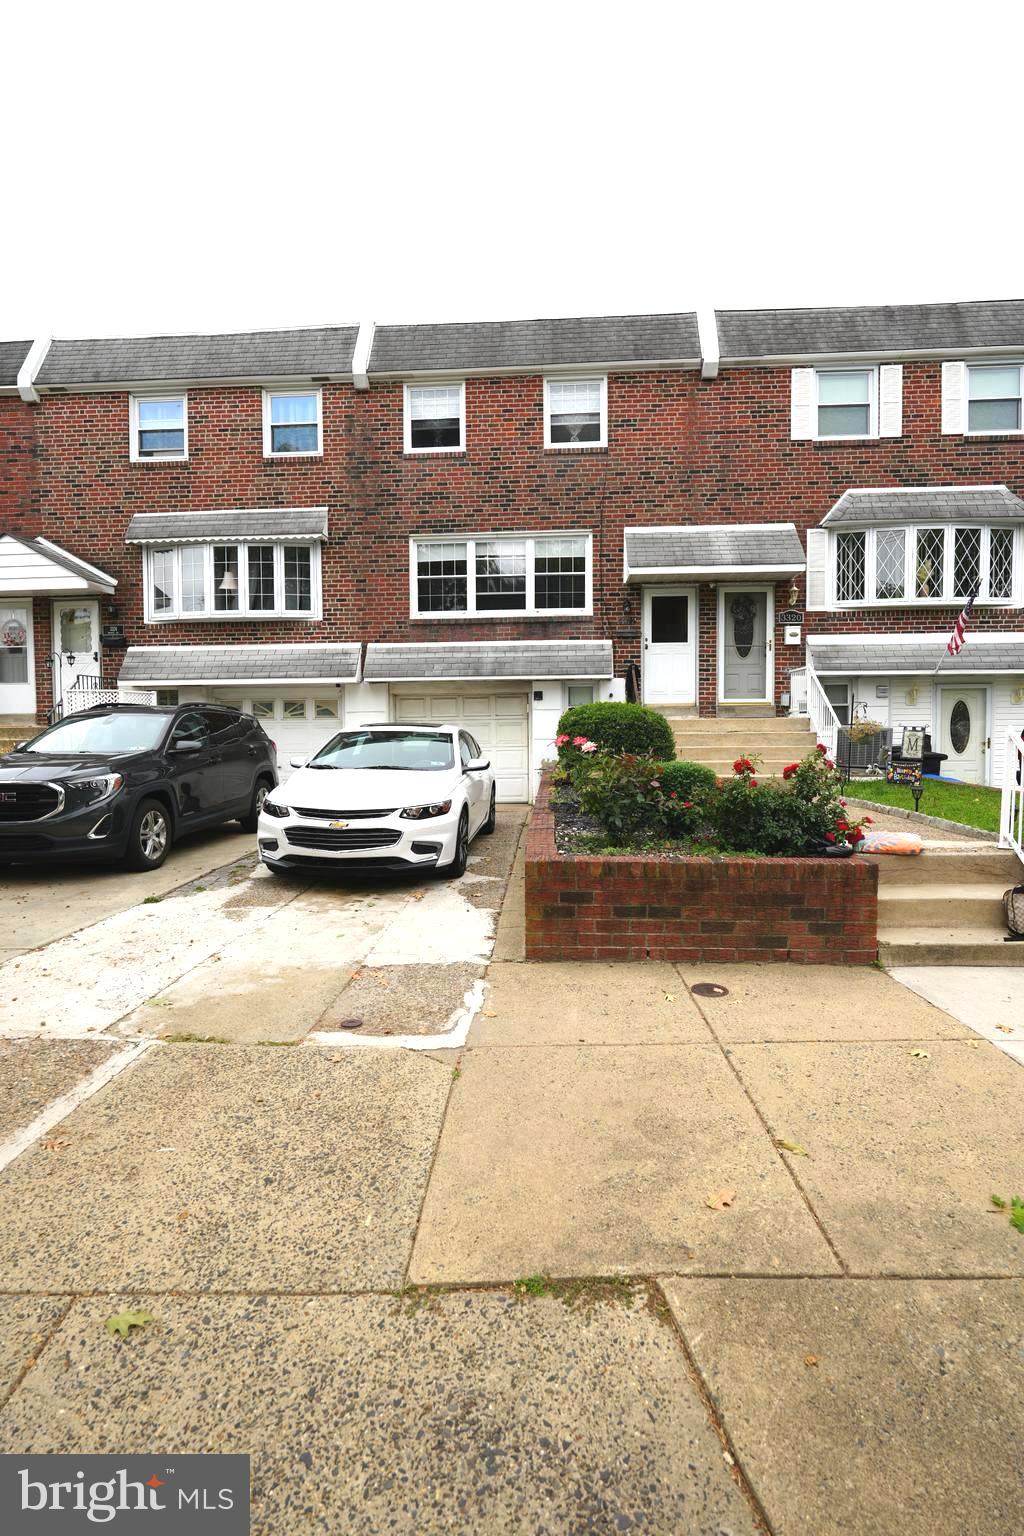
<point x="902" y="655"/>
<point x="183" y="666"/>
<point x="473" y="660"/>
<point x="709" y="553"/>
<point x="926" y="504"/>
<point x="40" y="567"/>
<point x="238" y="526"/>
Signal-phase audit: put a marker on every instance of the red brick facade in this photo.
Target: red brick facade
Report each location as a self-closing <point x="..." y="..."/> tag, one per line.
<point x="695" y="911"/>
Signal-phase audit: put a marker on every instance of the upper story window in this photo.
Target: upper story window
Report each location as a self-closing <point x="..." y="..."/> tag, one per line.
<point x="994" y="399"/>
<point x="292" y="422"/>
<point x="576" y="413"/>
<point x="435" y="418"/>
<point x="847" y="401"/>
<point x="159" y="427"/>
<point x="217" y="581"/>
<point x="924" y="565"/>
<point x="840" y="404"/>
<point x="501" y="576"/>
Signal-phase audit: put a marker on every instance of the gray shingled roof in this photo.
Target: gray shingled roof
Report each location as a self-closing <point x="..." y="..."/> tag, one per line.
<point x="493" y="344"/>
<point x="276" y="523"/>
<point x="240" y="664"/>
<point x="896" y="328"/>
<point x="695" y="550"/>
<point x="882" y="655"/>
<point x="12" y="355"/>
<point x="244" y="355"/>
<point x="463" y="660"/>
<point x="939" y="504"/>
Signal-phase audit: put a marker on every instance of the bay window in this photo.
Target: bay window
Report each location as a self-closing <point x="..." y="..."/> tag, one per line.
<point x="216" y="581"/>
<point x="550" y="574"/>
<point x="922" y="565"/>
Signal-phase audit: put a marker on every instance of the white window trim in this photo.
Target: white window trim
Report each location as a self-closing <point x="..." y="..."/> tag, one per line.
<point x="133" y="430"/>
<point x="177" y="615"/>
<point x="910" y="531"/>
<point x="407" y="415"/>
<point x="530" y="611"/>
<point x="849" y="437"/>
<point x="578" y="378"/>
<point x="966" y="397"/>
<point x="305" y="453"/>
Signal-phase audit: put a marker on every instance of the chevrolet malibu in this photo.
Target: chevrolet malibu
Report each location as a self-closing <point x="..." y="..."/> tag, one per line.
<point x="382" y="797"/>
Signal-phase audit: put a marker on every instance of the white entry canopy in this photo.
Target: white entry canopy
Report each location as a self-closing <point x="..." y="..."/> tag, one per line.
<point x="37" y="565"/>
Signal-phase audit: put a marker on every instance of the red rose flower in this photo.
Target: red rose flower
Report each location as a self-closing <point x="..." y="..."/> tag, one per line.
<point x="752" y="784"/>
<point x="868" y="820"/>
<point x="673" y="795"/>
<point x="829" y="763"/>
<point x="856" y="836"/>
<point x="789" y="770"/>
<point x="820" y="748"/>
<point x="842" y="826"/>
<point x="830" y="837"/>
<point x="687" y="805"/>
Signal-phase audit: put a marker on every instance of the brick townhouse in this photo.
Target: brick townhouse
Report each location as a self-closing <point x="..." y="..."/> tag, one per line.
<point x="492" y="521"/>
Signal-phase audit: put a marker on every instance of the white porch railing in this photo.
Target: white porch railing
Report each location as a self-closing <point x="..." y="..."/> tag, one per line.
<point x="822" y="716"/>
<point x="77" y="699"/>
<point x="1011" y="817"/>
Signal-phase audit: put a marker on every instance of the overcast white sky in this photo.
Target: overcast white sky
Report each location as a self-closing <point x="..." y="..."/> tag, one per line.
<point x="217" y="166"/>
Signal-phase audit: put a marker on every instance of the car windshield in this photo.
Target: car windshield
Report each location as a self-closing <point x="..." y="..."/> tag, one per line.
<point x="102" y="734"/>
<point x="405" y="751"/>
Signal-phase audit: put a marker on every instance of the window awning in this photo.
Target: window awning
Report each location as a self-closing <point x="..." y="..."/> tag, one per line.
<point x="30" y="566"/>
<point x="470" y="660"/>
<point x="928" y="504"/>
<point x="710" y="553"/>
<point x="271" y="525"/>
<point x="898" y="655"/>
<point x="191" y="665"/>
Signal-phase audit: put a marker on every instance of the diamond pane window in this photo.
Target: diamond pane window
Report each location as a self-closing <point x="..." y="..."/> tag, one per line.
<point x="966" y="561"/>
<point x="160" y="428"/>
<point x="993" y="399"/>
<point x="844" y="403"/>
<point x="928" y="559"/>
<point x="225" y="578"/>
<point x="193" y="579"/>
<point x="441" y="580"/>
<point x="850" y="567"/>
<point x="298" y="580"/>
<point x="500" y="574"/>
<point x="434" y="416"/>
<point x="261" y="577"/>
<point x="162" y="570"/>
<point x="890" y="560"/>
<point x="294" y="422"/>
<point x="560" y="573"/>
<point x="574" y="411"/>
<point x="1000" y="563"/>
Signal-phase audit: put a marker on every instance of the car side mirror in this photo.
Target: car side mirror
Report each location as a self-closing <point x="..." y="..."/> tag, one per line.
<point x="187" y="746"/>
<point x="19" y="746"/>
<point x="478" y="764"/>
<point x="298" y="762"/>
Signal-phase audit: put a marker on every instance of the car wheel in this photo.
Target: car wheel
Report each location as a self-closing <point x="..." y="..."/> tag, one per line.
<point x="149" y="841"/>
<point x="250" y="822"/>
<point x="492" y="815"/>
<point x="457" y="868"/>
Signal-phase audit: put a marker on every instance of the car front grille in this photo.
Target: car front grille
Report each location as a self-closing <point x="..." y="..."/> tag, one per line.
<point x="338" y="841"/>
<point x="27" y="802"/>
<point x="317" y="815"/>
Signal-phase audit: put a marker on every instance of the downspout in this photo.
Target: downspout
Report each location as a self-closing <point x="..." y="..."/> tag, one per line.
<point x="707" y="331"/>
<point x="30" y="368"/>
<point x="361" y="355"/>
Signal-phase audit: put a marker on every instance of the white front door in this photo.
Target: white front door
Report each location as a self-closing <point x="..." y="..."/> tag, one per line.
<point x="76" y="643"/>
<point x="17" y="671"/>
<point x="745" y="651"/>
<point x="964" y="734"/>
<point x="670" y="645"/>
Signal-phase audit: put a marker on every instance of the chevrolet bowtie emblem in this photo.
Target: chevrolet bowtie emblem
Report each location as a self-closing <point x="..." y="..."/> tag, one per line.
<point x="336" y="826"/>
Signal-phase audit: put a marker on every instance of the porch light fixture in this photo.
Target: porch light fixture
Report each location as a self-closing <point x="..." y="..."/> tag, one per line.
<point x="1017" y="695"/>
<point x="912" y="694"/>
<point x="793" y="594"/>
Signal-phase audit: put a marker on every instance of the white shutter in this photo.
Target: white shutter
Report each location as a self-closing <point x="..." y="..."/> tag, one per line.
<point x="953" y="398"/>
<point x="817" y="569"/>
<point x="890" y="400"/>
<point x="802" y="403"/>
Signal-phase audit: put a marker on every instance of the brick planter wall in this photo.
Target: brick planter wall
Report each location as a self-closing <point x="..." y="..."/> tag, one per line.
<point x="699" y="910"/>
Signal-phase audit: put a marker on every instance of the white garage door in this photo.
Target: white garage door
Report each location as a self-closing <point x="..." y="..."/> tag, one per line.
<point x="299" y="723"/>
<point x="499" y="721"/>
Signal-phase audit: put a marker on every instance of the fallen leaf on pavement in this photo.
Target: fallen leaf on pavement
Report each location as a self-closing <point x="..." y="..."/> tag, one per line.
<point x="55" y="1143"/>
<point x="810" y="1359"/>
<point x="1007" y="1029"/>
<point x="792" y="1146"/>
<point x="925" y="1055"/>
<point x="721" y="1201"/>
<point x="122" y="1322"/>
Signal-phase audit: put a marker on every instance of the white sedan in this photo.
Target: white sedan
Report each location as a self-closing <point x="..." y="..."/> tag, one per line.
<point x="382" y="797"/>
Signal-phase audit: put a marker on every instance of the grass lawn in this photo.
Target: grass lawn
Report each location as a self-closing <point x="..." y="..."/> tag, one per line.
<point x="973" y="804"/>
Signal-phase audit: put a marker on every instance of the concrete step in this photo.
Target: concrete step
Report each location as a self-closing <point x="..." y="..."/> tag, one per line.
<point x="770" y="753"/>
<point x="951" y="867"/>
<point x="715" y="725"/>
<point x="977" y="905"/>
<point x="962" y="945"/>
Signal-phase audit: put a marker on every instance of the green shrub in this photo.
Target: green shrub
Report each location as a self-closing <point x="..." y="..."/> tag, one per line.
<point x="628" y="796"/>
<point x="688" y="780"/>
<point x="620" y="728"/>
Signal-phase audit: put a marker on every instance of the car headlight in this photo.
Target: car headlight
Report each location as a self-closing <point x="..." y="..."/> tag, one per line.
<point x="271" y="808"/>
<point x="424" y="812"/>
<point x="79" y="793"/>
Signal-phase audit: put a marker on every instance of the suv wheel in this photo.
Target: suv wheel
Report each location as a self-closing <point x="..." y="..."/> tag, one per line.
<point x="149" y="841"/>
<point x="250" y="822"/>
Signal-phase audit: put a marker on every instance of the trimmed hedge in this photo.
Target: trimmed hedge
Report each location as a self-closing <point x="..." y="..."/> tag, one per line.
<point x="686" y="779"/>
<point x="621" y="728"/>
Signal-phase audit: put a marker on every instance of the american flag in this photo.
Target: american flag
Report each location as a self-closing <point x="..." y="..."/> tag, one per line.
<point x="958" y="639"/>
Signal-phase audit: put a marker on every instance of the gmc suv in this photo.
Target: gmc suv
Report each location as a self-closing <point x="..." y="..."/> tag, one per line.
<point x="125" y="781"/>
